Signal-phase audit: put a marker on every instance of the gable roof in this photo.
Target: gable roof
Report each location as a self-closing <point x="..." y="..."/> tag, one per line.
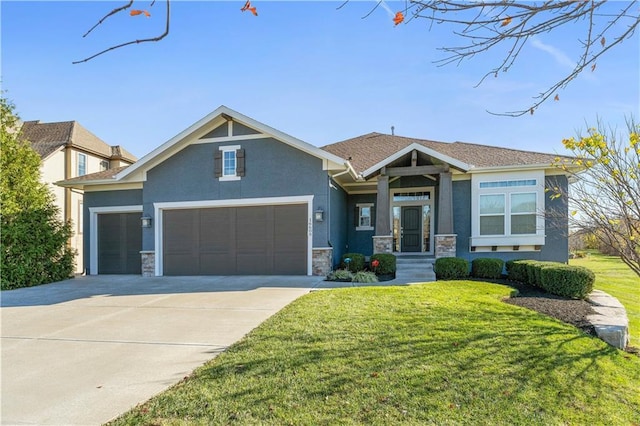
<point x="214" y="119"/>
<point x="47" y="138"/>
<point x="374" y="150"/>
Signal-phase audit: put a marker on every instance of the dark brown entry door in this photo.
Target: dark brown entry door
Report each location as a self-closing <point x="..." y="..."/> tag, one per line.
<point x="260" y="240"/>
<point x="411" y="229"/>
<point x="119" y="243"/>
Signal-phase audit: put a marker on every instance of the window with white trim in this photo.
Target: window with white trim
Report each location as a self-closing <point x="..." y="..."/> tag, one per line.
<point x="82" y="164"/>
<point x="506" y="211"/>
<point x="364" y="217"/>
<point x="492" y="214"/>
<point x="523" y="213"/>
<point x="229" y="162"/>
<point x="104" y="165"/>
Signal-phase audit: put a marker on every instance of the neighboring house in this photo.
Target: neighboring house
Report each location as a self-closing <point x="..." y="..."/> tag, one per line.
<point x="68" y="150"/>
<point x="230" y="195"/>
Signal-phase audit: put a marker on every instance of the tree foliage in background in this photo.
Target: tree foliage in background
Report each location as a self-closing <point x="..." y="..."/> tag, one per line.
<point x="34" y="247"/>
<point x="494" y="25"/>
<point x="604" y="197"/>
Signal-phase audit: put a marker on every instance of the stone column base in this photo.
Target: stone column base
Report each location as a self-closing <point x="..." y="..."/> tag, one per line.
<point x="322" y="261"/>
<point x="148" y="263"/>
<point x="445" y="245"/>
<point x="382" y="244"/>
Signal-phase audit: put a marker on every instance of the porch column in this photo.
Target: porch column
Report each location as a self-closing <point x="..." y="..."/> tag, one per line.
<point x="445" y="238"/>
<point x="382" y="207"/>
<point x="445" y="204"/>
<point x="383" y="240"/>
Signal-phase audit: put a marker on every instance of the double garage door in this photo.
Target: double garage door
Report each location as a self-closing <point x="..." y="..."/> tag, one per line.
<point x="256" y="240"/>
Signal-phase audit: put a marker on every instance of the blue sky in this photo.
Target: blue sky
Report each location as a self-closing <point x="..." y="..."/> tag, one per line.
<point x="320" y="74"/>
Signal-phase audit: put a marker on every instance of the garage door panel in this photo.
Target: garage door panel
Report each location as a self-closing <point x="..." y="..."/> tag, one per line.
<point x="256" y="240"/>
<point x="119" y="243"/>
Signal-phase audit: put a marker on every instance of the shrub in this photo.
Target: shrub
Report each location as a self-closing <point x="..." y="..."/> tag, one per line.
<point x="553" y="277"/>
<point x="451" y="268"/>
<point x="516" y="271"/>
<point x="487" y="268"/>
<point x="365" y="277"/>
<point x="355" y="262"/>
<point x="340" y="275"/>
<point x="567" y="281"/>
<point x="387" y="263"/>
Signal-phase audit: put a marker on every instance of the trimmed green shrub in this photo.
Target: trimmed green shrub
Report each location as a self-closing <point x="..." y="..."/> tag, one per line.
<point x="386" y="263"/>
<point x="487" y="268"/>
<point x="365" y="277"/>
<point x="516" y="270"/>
<point x="567" y="281"/>
<point x="553" y="277"/>
<point x="355" y="262"/>
<point x="451" y="268"/>
<point x="340" y="275"/>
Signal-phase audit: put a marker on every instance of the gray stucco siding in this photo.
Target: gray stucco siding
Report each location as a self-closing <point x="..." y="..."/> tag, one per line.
<point x="131" y="197"/>
<point x="272" y="169"/>
<point x="358" y="241"/>
<point x="338" y="221"/>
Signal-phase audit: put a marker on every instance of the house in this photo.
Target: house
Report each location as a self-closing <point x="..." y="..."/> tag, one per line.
<point x="231" y="195"/>
<point x="68" y="150"/>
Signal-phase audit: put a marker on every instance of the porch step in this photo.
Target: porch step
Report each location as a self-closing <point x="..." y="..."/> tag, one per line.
<point x="413" y="268"/>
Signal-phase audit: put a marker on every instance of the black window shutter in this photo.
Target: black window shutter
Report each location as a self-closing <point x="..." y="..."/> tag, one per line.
<point x="240" y="162"/>
<point x="356" y="216"/>
<point x="217" y="164"/>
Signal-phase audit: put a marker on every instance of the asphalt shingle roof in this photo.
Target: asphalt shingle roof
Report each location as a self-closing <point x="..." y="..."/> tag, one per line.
<point x="46" y="138"/>
<point x="368" y="150"/>
<point x="103" y="175"/>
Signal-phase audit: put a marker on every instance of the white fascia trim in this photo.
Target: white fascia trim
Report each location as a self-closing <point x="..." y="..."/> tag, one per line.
<point x="93" y="229"/>
<point x="428" y="151"/>
<point x="204" y="124"/>
<point x="240" y="202"/>
<point x="230" y="138"/>
<point x="514" y="168"/>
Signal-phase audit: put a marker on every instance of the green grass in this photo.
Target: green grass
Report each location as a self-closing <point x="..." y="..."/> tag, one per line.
<point x="448" y="352"/>
<point x="617" y="279"/>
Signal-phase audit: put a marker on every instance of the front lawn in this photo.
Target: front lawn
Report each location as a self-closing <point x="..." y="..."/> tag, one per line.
<point x="448" y="352"/>
<point x="617" y="279"/>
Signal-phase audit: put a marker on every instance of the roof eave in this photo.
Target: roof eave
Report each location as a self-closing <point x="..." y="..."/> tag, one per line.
<point x="425" y="150"/>
<point x="218" y="113"/>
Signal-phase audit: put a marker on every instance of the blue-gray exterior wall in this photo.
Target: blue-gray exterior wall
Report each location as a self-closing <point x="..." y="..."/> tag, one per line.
<point x="272" y="169"/>
<point x="556" y="247"/>
<point x="131" y="197"/>
<point x="359" y="241"/>
<point x="338" y="221"/>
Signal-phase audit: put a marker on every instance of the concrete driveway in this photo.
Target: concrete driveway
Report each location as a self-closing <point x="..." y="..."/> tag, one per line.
<point x="85" y="350"/>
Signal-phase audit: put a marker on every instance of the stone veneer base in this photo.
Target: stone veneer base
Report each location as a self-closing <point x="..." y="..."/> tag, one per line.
<point x="148" y="263"/>
<point x="322" y="261"/>
<point x="445" y="245"/>
<point x="382" y="244"/>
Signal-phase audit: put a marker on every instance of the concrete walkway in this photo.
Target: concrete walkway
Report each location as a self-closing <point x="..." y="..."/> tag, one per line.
<point x="85" y="350"/>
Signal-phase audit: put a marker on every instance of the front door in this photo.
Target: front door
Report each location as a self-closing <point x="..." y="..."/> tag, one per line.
<point x="411" y="239"/>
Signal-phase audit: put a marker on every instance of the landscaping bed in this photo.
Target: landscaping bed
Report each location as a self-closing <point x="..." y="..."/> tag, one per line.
<point x="571" y="311"/>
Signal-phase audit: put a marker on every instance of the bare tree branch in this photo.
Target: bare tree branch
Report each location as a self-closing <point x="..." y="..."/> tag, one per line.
<point x="113" y="12"/>
<point x="146" y="40"/>
<point x="487" y="24"/>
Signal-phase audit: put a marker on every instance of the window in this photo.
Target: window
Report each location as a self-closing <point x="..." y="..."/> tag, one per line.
<point x="506" y="211"/>
<point x="492" y="214"/>
<point x="508" y="183"/>
<point x="523" y="213"/>
<point x="364" y="217"/>
<point x="82" y="164"/>
<point x="104" y="165"/>
<point x="229" y="163"/>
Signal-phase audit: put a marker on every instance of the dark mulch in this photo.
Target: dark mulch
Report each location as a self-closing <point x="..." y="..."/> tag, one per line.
<point x="571" y="311"/>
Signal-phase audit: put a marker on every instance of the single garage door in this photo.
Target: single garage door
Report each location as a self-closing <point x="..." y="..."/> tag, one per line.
<point x="260" y="240"/>
<point x="119" y="243"/>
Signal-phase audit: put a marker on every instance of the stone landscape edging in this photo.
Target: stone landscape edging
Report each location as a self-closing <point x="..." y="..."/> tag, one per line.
<point x="610" y="320"/>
